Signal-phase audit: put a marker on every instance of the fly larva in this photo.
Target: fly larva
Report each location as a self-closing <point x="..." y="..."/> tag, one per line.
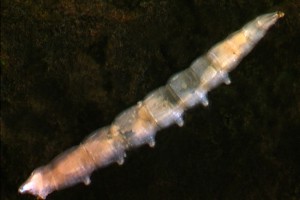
<point x="160" y="109"/>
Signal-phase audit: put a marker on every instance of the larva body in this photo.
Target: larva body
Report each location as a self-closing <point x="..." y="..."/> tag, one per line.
<point x="160" y="109"/>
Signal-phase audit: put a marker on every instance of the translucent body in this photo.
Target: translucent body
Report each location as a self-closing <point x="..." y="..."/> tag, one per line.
<point x="160" y="109"/>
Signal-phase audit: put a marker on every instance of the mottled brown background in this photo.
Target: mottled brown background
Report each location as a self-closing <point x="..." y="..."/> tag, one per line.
<point x="69" y="67"/>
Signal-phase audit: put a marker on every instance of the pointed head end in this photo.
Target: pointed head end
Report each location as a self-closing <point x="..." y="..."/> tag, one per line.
<point x="34" y="185"/>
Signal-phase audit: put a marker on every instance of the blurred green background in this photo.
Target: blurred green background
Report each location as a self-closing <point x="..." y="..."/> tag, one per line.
<point x="69" y="67"/>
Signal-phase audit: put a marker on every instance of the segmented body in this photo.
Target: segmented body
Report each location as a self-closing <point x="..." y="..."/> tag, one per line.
<point x="160" y="109"/>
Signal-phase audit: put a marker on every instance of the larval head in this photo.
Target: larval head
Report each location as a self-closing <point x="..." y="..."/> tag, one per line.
<point x="35" y="185"/>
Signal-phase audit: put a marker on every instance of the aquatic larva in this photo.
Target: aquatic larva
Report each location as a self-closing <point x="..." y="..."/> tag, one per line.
<point x="160" y="109"/>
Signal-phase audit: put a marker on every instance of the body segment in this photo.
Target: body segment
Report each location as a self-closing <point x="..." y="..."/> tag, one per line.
<point x="161" y="108"/>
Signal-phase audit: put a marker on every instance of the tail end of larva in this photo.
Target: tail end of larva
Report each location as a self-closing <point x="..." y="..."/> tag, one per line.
<point x="280" y="14"/>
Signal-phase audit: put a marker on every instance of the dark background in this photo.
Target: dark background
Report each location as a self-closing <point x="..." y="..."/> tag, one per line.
<point x="69" y="67"/>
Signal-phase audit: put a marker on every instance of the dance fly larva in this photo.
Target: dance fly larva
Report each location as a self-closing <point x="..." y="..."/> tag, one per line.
<point x="161" y="108"/>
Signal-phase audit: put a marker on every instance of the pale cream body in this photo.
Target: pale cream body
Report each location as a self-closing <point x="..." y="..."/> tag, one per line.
<point x="160" y="109"/>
